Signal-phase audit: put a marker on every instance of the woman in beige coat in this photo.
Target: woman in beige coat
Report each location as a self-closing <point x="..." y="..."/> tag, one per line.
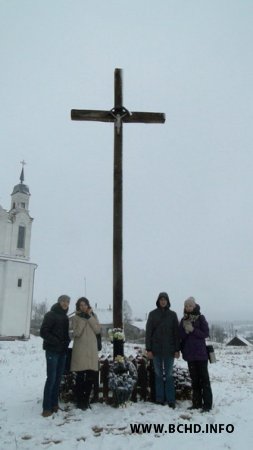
<point x="84" y="360"/>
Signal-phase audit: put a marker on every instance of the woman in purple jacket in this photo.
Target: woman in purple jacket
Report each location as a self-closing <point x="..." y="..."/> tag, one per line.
<point x="193" y="331"/>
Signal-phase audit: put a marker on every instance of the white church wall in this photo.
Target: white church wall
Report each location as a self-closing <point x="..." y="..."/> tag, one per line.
<point x="4" y="233"/>
<point x="2" y="288"/>
<point x="22" y="219"/>
<point x="18" y="279"/>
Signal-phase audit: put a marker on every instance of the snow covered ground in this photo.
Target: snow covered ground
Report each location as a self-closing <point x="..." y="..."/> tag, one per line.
<point x="22" y="377"/>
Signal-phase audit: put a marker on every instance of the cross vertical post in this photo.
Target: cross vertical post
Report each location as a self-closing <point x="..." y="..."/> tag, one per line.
<point x="117" y="206"/>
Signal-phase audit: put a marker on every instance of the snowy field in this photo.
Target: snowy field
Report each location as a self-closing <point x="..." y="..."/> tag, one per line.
<point x="22" y="377"/>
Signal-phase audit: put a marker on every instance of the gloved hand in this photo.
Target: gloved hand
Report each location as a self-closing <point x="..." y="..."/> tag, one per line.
<point x="188" y="326"/>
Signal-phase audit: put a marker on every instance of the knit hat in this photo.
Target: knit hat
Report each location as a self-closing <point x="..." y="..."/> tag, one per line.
<point x="63" y="298"/>
<point x="163" y="295"/>
<point x="190" y="301"/>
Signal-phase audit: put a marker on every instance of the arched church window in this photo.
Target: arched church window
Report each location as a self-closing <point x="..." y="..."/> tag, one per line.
<point x="21" y="237"/>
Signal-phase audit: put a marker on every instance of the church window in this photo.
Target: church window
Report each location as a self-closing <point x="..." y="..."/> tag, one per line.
<point x="22" y="205"/>
<point x="21" y="237"/>
<point x="20" y="282"/>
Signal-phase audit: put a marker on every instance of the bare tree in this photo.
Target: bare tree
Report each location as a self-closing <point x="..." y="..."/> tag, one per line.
<point x="217" y="333"/>
<point x="127" y="312"/>
<point x="38" y="312"/>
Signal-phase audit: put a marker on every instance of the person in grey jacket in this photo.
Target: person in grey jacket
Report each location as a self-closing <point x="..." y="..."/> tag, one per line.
<point x="163" y="345"/>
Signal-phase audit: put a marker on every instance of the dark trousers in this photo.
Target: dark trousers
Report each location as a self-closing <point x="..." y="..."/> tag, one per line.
<point x="201" y="388"/>
<point x="85" y="380"/>
<point x="55" y="369"/>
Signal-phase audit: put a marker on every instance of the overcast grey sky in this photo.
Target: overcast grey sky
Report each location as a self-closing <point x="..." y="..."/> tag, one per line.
<point x="188" y="217"/>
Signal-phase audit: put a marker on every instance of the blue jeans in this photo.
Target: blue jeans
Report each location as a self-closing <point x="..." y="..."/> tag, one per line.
<point x="55" y="369"/>
<point x="164" y="382"/>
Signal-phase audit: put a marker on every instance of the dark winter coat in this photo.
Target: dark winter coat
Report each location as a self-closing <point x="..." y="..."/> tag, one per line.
<point x="193" y="345"/>
<point x="55" y="330"/>
<point x="162" y="334"/>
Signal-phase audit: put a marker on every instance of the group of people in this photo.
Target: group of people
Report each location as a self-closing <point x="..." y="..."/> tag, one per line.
<point x="84" y="357"/>
<point x="165" y="339"/>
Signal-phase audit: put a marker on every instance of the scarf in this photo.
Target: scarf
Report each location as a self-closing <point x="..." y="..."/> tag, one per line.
<point x="83" y="315"/>
<point x="190" y="318"/>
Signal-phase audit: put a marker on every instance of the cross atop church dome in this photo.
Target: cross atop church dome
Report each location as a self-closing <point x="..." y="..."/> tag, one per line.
<point x="21" y="187"/>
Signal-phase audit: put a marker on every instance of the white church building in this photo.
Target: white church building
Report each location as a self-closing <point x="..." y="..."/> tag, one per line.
<point x="16" y="270"/>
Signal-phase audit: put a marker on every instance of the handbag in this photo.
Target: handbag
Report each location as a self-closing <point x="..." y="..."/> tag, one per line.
<point x="211" y="354"/>
<point x="99" y="341"/>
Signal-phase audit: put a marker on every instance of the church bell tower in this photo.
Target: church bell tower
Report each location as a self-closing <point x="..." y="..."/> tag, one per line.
<point x="21" y="220"/>
<point x="16" y="270"/>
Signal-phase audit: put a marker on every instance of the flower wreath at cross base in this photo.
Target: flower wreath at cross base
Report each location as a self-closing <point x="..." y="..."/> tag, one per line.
<point x="122" y="376"/>
<point x="122" y="379"/>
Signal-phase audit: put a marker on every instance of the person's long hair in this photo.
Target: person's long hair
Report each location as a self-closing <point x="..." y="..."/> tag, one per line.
<point x="80" y="300"/>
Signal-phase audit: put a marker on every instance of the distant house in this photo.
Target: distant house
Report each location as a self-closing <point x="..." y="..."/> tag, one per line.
<point x="239" y="341"/>
<point x="105" y="317"/>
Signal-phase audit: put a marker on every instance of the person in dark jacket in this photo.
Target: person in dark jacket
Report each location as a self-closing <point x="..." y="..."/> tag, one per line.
<point x="162" y="345"/>
<point x="193" y="331"/>
<point x="55" y="333"/>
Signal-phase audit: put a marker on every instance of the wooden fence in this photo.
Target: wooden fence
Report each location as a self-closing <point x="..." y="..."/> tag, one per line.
<point x="144" y="389"/>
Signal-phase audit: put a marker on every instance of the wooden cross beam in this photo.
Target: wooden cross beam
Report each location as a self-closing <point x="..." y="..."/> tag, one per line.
<point x="118" y="115"/>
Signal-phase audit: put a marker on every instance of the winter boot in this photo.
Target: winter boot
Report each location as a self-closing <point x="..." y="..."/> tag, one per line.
<point x="46" y="413"/>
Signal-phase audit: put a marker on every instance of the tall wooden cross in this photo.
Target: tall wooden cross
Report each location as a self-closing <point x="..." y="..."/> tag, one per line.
<point x="118" y="115"/>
